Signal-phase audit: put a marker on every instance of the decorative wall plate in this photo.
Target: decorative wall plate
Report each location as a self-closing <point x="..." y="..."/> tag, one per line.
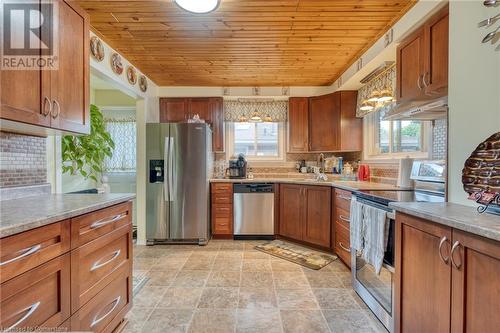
<point x="116" y="63"/>
<point x="96" y="48"/>
<point x="143" y="83"/>
<point x="131" y="75"/>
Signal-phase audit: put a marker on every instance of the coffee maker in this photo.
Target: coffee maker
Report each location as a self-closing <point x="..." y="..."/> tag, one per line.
<point x="237" y="168"/>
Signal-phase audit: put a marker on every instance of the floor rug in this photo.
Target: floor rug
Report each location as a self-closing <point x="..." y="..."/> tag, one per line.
<point x="297" y="254"/>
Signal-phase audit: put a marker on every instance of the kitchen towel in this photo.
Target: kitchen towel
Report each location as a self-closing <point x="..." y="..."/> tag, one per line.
<point x="356" y="225"/>
<point x="376" y="233"/>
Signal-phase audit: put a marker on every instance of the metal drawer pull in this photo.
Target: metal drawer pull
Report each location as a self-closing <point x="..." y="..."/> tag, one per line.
<point x="344" y="248"/>
<point x="345" y="219"/>
<point x="453" y="248"/>
<point x="99" y="264"/>
<point x="27" y="252"/>
<point x="30" y="310"/>
<point x="343" y="197"/>
<point x="101" y="223"/>
<point x="46" y="101"/>
<point x="98" y="320"/>
<point x="444" y="259"/>
<point x="58" y="110"/>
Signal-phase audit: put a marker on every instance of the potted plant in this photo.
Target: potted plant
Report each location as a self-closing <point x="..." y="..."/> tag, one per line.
<point x="85" y="154"/>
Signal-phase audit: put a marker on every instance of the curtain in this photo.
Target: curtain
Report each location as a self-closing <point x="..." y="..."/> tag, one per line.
<point x="234" y="110"/>
<point x="124" y="134"/>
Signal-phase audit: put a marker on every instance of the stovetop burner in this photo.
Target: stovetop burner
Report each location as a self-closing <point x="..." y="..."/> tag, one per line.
<point x="384" y="197"/>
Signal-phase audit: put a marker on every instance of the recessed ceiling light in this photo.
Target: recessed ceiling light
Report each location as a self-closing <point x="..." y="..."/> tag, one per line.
<point x="198" y="6"/>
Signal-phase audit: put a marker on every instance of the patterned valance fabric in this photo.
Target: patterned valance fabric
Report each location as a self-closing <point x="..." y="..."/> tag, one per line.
<point x="234" y="110"/>
<point x="384" y="81"/>
<point x="124" y="133"/>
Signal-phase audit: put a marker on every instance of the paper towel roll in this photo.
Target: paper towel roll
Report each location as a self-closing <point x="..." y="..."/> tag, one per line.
<point x="404" y="172"/>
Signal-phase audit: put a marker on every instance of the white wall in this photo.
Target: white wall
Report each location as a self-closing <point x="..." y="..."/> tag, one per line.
<point x="474" y="89"/>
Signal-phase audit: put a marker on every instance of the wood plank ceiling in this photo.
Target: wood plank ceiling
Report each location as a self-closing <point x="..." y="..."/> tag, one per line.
<point x="244" y="42"/>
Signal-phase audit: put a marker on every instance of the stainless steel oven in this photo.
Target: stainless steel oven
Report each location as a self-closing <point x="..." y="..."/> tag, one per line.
<point x="377" y="290"/>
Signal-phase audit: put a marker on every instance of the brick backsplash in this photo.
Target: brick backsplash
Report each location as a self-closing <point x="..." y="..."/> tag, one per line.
<point x="22" y="160"/>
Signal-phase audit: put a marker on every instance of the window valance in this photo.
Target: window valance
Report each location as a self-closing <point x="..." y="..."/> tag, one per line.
<point x="267" y="111"/>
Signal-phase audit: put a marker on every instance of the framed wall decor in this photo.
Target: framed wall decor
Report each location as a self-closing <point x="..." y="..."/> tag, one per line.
<point x="116" y="63"/>
<point x="143" y="83"/>
<point x="131" y="75"/>
<point x="96" y="48"/>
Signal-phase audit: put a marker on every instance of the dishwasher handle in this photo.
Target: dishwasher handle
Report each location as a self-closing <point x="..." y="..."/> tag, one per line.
<point x="253" y="188"/>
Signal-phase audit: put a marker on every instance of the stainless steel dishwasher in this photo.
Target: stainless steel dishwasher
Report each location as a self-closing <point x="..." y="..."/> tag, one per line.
<point x="253" y="211"/>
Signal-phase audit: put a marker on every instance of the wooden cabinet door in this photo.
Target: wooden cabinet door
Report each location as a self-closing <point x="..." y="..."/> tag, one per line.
<point x="422" y="278"/>
<point x="201" y="107"/>
<point x="351" y="128"/>
<point x="435" y="79"/>
<point x="475" y="284"/>
<point x="173" y="110"/>
<point x="410" y="60"/>
<point x="70" y="83"/>
<point x="37" y="298"/>
<point x="291" y="212"/>
<point x="298" y="124"/>
<point x="217" y="119"/>
<point x="324" y="123"/>
<point x="317" y="221"/>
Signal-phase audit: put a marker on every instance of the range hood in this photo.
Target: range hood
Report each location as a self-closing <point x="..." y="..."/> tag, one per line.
<point x="420" y="110"/>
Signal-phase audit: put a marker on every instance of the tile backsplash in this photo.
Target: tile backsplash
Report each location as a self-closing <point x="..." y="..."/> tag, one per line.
<point x="23" y="160"/>
<point x="439" y="139"/>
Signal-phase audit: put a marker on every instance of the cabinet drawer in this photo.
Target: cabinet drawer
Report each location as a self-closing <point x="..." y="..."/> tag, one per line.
<point x="22" y="252"/>
<point x="93" y="225"/>
<point x="342" y="217"/>
<point x="38" y="298"/>
<point x="222" y="210"/>
<point x="343" y="199"/>
<point x="222" y="187"/>
<point x="222" y="199"/>
<point x="222" y="225"/>
<point x="93" y="263"/>
<point x="342" y="244"/>
<point x="106" y="305"/>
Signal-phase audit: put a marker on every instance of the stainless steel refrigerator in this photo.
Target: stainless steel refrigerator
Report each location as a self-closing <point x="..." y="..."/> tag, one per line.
<point x="180" y="163"/>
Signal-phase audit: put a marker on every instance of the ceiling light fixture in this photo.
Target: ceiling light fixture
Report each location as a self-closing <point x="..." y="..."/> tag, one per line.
<point x="255" y="118"/>
<point x="366" y="106"/>
<point x="385" y="96"/>
<point x="198" y="6"/>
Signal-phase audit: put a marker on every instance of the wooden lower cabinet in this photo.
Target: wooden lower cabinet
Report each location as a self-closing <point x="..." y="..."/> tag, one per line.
<point x="305" y="213"/>
<point x="39" y="298"/>
<point x="341" y="203"/>
<point x="438" y="289"/>
<point x="47" y="285"/>
<point x="222" y="210"/>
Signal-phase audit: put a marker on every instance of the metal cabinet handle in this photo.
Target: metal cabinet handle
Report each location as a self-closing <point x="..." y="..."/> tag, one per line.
<point x="30" y="310"/>
<point x="425" y="83"/>
<point x="441" y="243"/>
<point x="344" y="248"/>
<point x="57" y="111"/>
<point x="103" y="222"/>
<point x="96" y="320"/>
<point x="345" y="219"/>
<point x="46" y="101"/>
<point x="453" y="248"/>
<point x="418" y="82"/>
<point x="343" y="197"/>
<point x="98" y="264"/>
<point x="26" y="252"/>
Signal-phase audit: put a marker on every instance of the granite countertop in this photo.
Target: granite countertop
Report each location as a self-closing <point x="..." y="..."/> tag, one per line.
<point x="349" y="185"/>
<point x="457" y="216"/>
<point x="18" y="215"/>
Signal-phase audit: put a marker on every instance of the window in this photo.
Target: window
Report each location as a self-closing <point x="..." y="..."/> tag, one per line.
<point x="394" y="138"/>
<point x="257" y="141"/>
<point x="123" y="133"/>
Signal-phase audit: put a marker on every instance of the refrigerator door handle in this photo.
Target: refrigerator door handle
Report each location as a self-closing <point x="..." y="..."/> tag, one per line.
<point x="170" y="172"/>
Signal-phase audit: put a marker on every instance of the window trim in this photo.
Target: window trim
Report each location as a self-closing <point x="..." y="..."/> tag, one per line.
<point x="370" y="141"/>
<point x="263" y="159"/>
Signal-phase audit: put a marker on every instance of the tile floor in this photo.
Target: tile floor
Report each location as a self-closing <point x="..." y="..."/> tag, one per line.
<point x="227" y="286"/>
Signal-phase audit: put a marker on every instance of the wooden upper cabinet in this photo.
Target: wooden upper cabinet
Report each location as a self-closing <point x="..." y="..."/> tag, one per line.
<point x="317" y="215"/>
<point x="298" y="124"/>
<point x="475" y="284"/>
<point x="351" y="127"/>
<point x="423" y="279"/>
<point x="217" y="119"/>
<point x="291" y="212"/>
<point x="201" y="107"/>
<point x="422" y="61"/>
<point x="324" y="123"/>
<point x="173" y="110"/>
<point x="70" y="83"/>
<point x="57" y="99"/>
<point x="410" y="60"/>
<point x="435" y="77"/>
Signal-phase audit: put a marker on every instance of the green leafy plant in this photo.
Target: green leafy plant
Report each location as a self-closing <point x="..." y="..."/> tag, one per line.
<point x="85" y="154"/>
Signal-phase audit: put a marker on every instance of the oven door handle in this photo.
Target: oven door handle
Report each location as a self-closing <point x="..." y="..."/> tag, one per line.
<point x="391" y="215"/>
